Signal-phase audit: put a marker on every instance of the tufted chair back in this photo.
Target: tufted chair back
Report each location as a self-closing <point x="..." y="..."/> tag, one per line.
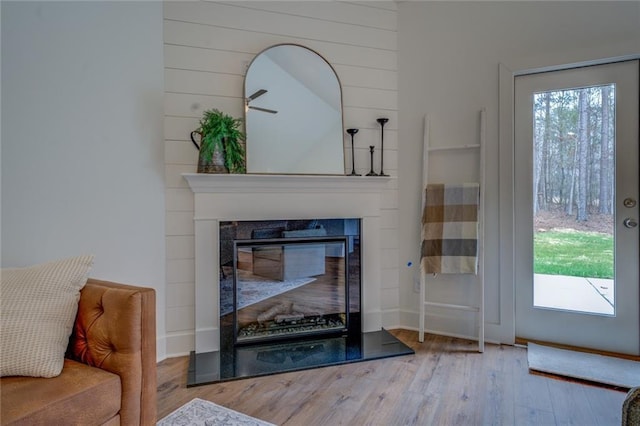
<point x="115" y="330"/>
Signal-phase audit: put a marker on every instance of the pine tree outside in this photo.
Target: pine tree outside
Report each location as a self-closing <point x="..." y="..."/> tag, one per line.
<point x="573" y="187"/>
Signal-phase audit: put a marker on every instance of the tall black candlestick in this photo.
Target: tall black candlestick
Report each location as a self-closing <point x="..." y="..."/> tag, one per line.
<point x="382" y="122"/>
<point x="371" y="173"/>
<point x="353" y="160"/>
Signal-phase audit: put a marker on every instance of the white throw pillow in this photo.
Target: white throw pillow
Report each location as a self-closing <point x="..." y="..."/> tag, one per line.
<point x="39" y="306"/>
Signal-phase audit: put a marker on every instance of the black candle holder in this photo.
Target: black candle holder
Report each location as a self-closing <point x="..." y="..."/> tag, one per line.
<point x="382" y="122"/>
<point x="353" y="160"/>
<point x="371" y="173"/>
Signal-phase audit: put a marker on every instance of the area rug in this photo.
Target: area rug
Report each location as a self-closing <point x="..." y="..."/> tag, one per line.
<point x="199" y="412"/>
<point x="592" y="367"/>
<point x="252" y="289"/>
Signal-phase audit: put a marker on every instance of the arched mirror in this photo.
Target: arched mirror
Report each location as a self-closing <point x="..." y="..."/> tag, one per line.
<point x="293" y="113"/>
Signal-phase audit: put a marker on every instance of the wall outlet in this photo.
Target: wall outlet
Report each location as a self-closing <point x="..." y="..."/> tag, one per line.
<point x="416" y="283"/>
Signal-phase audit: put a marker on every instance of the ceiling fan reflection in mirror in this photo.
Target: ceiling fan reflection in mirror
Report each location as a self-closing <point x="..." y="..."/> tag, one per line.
<point x="254" y="96"/>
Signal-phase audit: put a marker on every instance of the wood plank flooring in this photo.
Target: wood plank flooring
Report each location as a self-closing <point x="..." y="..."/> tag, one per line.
<point x="445" y="383"/>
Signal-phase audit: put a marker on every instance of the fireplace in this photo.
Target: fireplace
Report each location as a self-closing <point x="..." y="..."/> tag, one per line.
<point x="284" y="280"/>
<point x="225" y="204"/>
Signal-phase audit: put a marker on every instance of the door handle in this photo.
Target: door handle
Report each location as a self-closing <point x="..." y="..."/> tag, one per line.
<point x="630" y="223"/>
<point x="629" y="202"/>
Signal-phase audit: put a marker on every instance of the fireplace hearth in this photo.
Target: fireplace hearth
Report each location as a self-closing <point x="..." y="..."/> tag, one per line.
<point x="272" y="358"/>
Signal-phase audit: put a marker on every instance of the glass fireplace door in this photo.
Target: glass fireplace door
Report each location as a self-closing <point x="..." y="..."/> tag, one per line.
<point x="290" y="287"/>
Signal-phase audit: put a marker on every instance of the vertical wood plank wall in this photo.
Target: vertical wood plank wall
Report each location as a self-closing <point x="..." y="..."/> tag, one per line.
<point x="207" y="47"/>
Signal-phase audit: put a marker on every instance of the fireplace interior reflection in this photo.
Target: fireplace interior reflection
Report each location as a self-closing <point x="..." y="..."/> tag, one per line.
<point x="286" y="280"/>
<point x="290" y="287"/>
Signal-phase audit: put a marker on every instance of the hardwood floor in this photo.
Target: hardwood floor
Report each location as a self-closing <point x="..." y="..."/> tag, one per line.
<point x="445" y="383"/>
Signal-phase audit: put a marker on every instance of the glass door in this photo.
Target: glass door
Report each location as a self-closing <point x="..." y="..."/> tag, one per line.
<point x="576" y="213"/>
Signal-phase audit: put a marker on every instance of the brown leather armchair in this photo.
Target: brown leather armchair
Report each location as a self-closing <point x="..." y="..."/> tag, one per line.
<point x="109" y="374"/>
<point x="631" y="408"/>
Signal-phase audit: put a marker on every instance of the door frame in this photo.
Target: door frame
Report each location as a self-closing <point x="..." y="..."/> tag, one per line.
<point x="506" y="330"/>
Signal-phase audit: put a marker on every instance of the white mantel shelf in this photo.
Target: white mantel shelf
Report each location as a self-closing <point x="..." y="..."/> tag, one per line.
<point x="236" y="183"/>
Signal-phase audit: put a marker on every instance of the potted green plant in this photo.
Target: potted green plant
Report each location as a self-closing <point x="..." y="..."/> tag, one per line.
<point x="221" y="150"/>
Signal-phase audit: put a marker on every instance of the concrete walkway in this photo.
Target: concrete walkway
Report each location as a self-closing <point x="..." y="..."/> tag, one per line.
<point x="592" y="295"/>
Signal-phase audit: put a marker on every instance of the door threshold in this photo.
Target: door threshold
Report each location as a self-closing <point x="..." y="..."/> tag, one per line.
<point x="523" y="341"/>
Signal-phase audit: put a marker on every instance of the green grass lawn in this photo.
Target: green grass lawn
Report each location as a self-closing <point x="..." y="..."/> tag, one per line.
<point x="573" y="253"/>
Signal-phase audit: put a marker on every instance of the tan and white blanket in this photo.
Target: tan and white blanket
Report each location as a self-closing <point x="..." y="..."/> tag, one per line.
<point x="450" y="229"/>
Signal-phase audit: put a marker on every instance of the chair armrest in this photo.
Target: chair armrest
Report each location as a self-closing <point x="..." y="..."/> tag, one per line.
<point x="631" y="408"/>
<point x="115" y="330"/>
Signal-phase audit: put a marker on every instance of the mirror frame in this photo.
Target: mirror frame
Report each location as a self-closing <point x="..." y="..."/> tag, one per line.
<point x="244" y="97"/>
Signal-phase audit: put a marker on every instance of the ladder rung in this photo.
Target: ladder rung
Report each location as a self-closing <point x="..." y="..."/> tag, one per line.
<point x="450" y="306"/>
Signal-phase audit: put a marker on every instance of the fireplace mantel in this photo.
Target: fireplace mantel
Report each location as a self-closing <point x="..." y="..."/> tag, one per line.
<point x="220" y="197"/>
<point x="217" y="183"/>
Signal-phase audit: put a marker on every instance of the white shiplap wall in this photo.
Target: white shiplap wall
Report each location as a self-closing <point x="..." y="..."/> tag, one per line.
<point x="207" y="46"/>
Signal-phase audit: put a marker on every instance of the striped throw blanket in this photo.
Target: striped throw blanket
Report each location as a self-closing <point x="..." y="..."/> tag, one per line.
<point x="450" y="229"/>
